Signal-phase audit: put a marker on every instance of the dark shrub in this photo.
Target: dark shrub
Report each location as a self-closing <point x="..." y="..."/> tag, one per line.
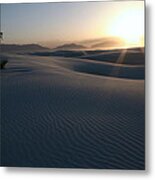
<point x="3" y="63"/>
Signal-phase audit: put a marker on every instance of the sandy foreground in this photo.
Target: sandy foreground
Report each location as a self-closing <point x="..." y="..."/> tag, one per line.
<point x="70" y="113"/>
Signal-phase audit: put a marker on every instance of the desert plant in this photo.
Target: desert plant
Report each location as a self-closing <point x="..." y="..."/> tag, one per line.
<point x="3" y="63"/>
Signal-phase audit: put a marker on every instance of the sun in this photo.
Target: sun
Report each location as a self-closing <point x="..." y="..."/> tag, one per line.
<point x="129" y="25"/>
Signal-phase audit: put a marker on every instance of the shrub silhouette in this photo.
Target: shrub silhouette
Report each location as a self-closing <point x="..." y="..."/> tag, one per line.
<point x="3" y="63"/>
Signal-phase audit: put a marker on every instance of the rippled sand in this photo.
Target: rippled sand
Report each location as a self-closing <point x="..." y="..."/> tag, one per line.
<point x="72" y="113"/>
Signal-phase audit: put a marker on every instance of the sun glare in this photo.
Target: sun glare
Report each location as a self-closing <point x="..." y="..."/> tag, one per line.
<point x="129" y="26"/>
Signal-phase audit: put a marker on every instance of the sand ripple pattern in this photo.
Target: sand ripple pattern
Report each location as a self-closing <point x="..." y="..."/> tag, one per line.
<point x="53" y="118"/>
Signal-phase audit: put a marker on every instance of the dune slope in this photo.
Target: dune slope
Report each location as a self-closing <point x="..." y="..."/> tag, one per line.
<point x="57" y="116"/>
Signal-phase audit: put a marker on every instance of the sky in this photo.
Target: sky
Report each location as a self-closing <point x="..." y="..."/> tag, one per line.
<point x="51" y="23"/>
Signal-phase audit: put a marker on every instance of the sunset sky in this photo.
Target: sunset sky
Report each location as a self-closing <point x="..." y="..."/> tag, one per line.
<point x="50" y="23"/>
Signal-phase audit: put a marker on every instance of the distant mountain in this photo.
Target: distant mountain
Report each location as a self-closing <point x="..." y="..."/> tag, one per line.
<point x="101" y="43"/>
<point x="90" y="42"/>
<point x="108" y="43"/>
<point x="71" y="46"/>
<point x="22" y="48"/>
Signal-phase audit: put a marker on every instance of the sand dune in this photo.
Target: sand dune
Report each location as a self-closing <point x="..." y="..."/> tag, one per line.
<point x="68" y="112"/>
<point x="130" y="57"/>
<point x="133" y="56"/>
<point x="115" y="63"/>
<point x="103" y="68"/>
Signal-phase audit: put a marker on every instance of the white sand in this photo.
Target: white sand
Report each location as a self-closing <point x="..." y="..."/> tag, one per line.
<point x="55" y="114"/>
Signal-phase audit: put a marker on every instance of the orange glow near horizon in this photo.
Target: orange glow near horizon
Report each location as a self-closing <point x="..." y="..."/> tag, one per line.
<point x="129" y="26"/>
<point x="54" y="24"/>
